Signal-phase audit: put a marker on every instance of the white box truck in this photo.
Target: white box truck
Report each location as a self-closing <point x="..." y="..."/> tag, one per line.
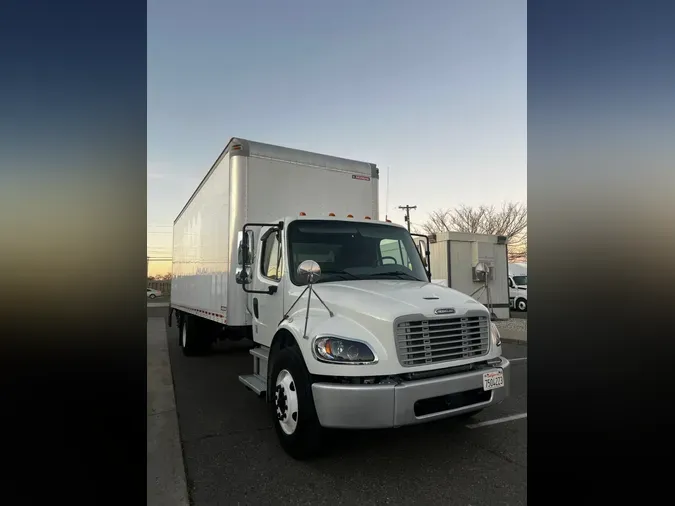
<point x="285" y="247"/>
<point x="518" y="286"/>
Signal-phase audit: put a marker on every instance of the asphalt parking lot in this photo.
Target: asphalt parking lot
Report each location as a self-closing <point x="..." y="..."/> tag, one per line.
<point x="519" y="314"/>
<point x="232" y="456"/>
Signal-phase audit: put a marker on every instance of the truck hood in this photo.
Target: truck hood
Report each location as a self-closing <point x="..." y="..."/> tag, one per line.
<point x="386" y="300"/>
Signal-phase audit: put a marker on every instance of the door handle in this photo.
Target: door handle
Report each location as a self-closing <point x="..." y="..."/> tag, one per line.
<point x="255" y="307"/>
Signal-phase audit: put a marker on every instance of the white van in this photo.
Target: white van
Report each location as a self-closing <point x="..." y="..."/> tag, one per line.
<point x="518" y="286"/>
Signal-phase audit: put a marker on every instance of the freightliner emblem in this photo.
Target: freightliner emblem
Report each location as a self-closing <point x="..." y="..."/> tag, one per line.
<point x="444" y="310"/>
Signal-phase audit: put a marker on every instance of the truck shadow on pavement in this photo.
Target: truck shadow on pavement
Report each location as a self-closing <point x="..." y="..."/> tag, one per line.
<point x="411" y="440"/>
<point x="233" y="347"/>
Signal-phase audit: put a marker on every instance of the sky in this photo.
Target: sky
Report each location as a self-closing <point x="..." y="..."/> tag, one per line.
<point x="433" y="92"/>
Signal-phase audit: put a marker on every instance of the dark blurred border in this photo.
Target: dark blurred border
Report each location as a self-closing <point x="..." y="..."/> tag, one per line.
<point x="601" y="183"/>
<point x="72" y="268"/>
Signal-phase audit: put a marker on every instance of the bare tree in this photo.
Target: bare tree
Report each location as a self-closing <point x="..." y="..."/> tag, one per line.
<point x="509" y="221"/>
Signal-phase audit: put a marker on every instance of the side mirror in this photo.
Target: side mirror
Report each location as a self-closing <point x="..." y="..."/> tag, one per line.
<point x="422" y="248"/>
<point x="245" y="248"/>
<point x="309" y="272"/>
<point x="481" y="272"/>
<point x="243" y="275"/>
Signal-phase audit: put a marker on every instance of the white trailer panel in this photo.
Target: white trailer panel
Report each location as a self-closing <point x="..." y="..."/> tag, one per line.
<point x="200" y="247"/>
<point x="439" y="261"/>
<point x="278" y="188"/>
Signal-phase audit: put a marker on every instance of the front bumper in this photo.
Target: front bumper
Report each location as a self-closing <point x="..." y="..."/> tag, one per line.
<point x="380" y="406"/>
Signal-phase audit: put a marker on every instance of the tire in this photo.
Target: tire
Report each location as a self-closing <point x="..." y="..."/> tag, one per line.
<point x="191" y="340"/>
<point x="299" y="436"/>
<point x="152" y="296"/>
<point x="521" y="305"/>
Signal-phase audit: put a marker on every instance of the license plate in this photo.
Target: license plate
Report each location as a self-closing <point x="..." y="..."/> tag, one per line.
<point x="492" y="380"/>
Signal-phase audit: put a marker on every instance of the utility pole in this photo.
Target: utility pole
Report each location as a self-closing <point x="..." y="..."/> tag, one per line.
<point x="407" y="213"/>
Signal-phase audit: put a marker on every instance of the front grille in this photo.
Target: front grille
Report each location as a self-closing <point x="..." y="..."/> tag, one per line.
<point x="423" y="342"/>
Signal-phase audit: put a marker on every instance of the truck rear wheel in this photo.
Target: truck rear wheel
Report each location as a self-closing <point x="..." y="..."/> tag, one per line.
<point x="192" y="341"/>
<point x="292" y="405"/>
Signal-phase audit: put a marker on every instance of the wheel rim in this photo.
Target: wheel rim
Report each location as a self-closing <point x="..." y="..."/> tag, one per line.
<point x="286" y="402"/>
<point x="183" y="335"/>
<point x="521" y="305"/>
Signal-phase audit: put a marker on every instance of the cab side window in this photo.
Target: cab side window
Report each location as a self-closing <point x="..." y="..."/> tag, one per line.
<point x="394" y="252"/>
<point x="271" y="265"/>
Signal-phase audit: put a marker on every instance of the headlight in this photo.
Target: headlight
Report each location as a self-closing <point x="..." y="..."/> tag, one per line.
<point x="340" y="350"/>
<point x="494" y="335"/>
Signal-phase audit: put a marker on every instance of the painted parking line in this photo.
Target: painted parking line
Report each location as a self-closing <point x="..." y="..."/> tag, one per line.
<point x="519" y="359"/>
<point x="497" y="420"/>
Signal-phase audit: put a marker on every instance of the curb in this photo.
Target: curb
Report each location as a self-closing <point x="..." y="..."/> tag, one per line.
<point x="166" y="481"/>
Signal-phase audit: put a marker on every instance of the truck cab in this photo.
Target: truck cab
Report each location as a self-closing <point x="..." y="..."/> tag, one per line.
<point x="350" y="333"/>
<point x="518" y="286"/>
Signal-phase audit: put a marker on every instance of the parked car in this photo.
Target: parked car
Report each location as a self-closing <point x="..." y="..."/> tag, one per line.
<point x="152" y="293"/>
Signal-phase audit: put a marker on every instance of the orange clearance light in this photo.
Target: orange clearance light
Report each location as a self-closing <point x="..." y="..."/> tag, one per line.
<point x="350" y="216"/>
<point x="236" y="147"/>
<point x="302" y="213"/>
<point x="331" y="214"/>
<point x="367" y="218"/>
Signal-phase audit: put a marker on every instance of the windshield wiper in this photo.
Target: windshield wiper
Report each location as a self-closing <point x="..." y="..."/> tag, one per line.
<point x="394" y="273"/>
<point x="344" y="274"/>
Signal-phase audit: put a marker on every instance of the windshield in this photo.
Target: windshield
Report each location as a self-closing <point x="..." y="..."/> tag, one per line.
<point x="354" y="251"/>
<point x="520" y="280"/>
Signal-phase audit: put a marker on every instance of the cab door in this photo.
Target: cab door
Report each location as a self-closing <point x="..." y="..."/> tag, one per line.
<point x="267" y="301"/>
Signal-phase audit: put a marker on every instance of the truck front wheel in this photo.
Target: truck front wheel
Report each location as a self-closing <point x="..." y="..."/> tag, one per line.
<point x="292" y="405"/>
<point x="521" y="305"/>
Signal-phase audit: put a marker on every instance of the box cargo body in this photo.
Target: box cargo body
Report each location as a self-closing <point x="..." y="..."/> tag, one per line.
<point x="255" y="182"/>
